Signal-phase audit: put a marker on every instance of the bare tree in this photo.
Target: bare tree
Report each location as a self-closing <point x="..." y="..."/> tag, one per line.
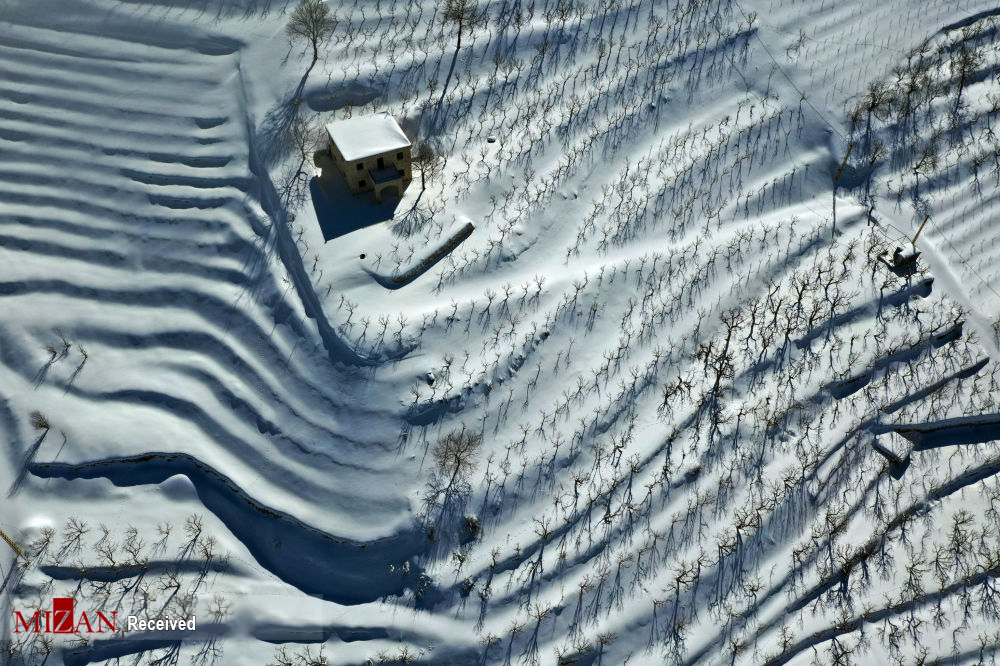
<point x="311" y="23"/>
<point x="428" y="160"/>
<point x="964" y="65"/>
<point x="455" y="455"/>
<point x="464" y="14"/>
<point x="39" y="422"/>
<point x="193" y="526"/>
<point x="219" y="609"/>
<point x="302" y="657"/>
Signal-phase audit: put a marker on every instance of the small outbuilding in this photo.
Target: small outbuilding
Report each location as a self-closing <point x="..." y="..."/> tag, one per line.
<point x="372" y="153"/>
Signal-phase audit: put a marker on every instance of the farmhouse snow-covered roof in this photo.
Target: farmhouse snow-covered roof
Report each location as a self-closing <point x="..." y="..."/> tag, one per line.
<point x="357" y="138"/>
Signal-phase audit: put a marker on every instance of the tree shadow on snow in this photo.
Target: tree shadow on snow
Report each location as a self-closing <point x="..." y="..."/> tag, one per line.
<point x="272" y="139"/>
<point x="29" y="457"/>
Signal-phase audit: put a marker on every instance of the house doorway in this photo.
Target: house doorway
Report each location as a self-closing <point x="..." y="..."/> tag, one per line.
<point x="381" y="163"/>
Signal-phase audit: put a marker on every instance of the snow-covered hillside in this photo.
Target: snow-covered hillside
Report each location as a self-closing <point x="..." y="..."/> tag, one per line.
<point x="699" y="419"/>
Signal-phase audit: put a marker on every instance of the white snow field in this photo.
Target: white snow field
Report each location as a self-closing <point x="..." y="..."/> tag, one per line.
<point x="704" y="423"/>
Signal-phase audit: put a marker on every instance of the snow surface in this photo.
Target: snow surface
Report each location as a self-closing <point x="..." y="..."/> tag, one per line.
<point x="667" y="325"/>
<point x="358" y="138"/>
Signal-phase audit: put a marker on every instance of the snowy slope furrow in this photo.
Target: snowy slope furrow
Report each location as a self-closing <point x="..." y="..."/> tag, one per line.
<point x="175" y="326"/>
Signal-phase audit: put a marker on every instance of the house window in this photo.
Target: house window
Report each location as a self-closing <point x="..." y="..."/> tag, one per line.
<point x="399" y="156"/>
<point x="361" y="167"/>
<point x="361" y="183"/>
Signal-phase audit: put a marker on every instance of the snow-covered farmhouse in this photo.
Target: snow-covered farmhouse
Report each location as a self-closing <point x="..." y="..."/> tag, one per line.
<point x="372" y="153"/>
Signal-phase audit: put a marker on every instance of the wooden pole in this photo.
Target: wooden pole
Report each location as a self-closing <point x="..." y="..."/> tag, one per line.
<point x="843" y="164"/>
<point x="917" y="235"/>
<point x="10" y="542"/>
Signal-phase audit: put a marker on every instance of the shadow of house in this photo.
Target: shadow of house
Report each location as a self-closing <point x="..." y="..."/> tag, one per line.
<point x="338" y="210"/>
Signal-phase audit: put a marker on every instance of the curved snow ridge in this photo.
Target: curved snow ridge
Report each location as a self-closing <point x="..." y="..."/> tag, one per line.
<point x="111" y="258"/>
<point x="276" y="633"/>
<point x="115" y="38"/>
<point x="447" y="652"/>
<point x="104" y="650"/>
<point x="237" y="322"/>
<point x="266" y="376"/>
<point x="402" y="279"/>
<point x="225" y="434"/>
<point x="279" y="237"/>
<point x="863" y="552"/>
<point x="971" y="19"/>
<point x="332" y="567"/>
<point x="261" y="368"/>
<point x="108" y="574"/>
<point x="847" y="387"/>
<point x="978" y="429"/>
<point x="67" y="215"/>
